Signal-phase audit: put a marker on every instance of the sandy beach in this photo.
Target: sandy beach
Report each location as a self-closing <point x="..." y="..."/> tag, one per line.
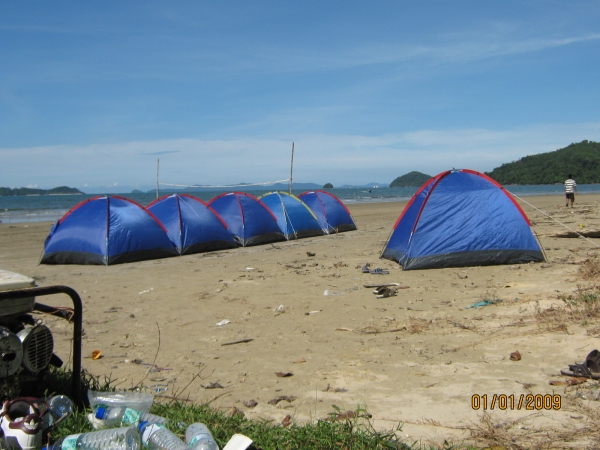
<point x="414" y="359"/>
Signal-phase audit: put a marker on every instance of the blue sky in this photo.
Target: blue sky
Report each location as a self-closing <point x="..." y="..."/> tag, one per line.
<point x="92" y="93"/>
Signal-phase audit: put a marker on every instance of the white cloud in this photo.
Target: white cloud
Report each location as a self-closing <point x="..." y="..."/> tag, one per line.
<point x="338" y="159"/>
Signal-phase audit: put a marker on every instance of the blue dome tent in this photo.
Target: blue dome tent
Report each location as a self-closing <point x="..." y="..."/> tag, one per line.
<point x="106" y="230"/>
<point x="294" y="217"/>
<point x="461" y="218"/>
<point x="191" y="224"/>
<point x="332" y="214"/>
<point x="249" y="221"/>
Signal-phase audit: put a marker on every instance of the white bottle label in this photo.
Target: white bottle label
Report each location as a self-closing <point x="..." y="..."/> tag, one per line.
<point x="148" y="432"/>
<point x="130" y="417"/>
<point x="70" y="442"/>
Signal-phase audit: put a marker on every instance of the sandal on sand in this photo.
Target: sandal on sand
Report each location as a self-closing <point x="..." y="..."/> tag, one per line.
<point x="379" y="271"/>
<point x="365" y="269"/>
<point x="387" y="292"/>
<point x="590" y="368"/>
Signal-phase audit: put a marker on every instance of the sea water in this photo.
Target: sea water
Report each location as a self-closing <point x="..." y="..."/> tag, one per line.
<point x="50" y="208"/>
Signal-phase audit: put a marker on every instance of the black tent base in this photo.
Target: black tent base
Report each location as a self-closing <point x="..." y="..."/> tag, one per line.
<point x="465" y="259"/>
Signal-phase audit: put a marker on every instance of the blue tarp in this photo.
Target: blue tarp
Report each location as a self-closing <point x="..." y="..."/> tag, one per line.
<point x="461" y="218"/>
<point x="106" y="230"/>
<point x="294" y="217"/>
<point x="191" y="224"/>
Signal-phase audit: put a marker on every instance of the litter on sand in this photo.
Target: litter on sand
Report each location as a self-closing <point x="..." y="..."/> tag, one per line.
<point x="484" y="303"/>
<point x="223" y="322"/>
<point x="333" y="293"/>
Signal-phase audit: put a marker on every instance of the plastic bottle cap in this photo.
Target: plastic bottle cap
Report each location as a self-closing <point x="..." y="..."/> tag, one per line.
<point x="100" y="411"/>
<point x="142" y="424"/>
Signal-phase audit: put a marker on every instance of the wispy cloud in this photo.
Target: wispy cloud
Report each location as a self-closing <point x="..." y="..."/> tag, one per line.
<point x="319" y="158"/>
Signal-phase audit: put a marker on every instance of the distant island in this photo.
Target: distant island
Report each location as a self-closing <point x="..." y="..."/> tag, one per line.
<point x="61" y="190"/>
<point x="328" y="186"/>
<point x="410" y="179"/>
<point x="581" y="159"/>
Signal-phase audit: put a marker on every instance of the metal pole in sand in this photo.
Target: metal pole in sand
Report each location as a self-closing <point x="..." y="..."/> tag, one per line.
<point x="291" y="168"/>
<point x="157" y="162"/>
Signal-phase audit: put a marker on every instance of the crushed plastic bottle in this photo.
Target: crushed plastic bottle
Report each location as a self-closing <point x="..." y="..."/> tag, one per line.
<point x="156" y="437"/>
<point x="113" y="439"/>
<point x="56" y="407"/>
<point x="199" y="437"/>
<point x="116" y="416"/>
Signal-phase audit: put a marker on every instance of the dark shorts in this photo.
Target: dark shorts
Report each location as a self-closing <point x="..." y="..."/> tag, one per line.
<point x="570" y="196"/>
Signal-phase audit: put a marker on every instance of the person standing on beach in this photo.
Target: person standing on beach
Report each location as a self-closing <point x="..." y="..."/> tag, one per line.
<point x="570" y="189"/>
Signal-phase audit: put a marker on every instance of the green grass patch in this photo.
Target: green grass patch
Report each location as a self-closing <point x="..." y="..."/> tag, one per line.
<point x="355" y="431"/>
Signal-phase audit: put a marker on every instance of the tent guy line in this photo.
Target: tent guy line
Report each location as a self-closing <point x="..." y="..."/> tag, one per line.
<point x="557" y="221"/>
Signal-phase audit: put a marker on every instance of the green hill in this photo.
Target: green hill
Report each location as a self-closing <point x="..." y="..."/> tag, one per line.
<point x="582" y="160"/>
<point x="61" y="190"/>
<point x="410" y="179"/>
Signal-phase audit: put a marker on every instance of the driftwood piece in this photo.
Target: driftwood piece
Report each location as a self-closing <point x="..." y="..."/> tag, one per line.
<point x="572" y="234"/>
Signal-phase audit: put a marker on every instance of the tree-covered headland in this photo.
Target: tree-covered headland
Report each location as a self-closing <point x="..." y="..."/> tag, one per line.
<point x="410" y="179"/>
<point x="582" y="160"/>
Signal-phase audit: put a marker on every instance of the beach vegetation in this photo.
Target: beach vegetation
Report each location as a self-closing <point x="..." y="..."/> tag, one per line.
<point x="580" y="159"/>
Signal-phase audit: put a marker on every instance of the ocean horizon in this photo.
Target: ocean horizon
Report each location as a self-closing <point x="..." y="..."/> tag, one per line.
<point x="50" y="208"/>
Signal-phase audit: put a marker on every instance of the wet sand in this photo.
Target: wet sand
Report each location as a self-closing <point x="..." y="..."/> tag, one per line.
<point x="416" y="358"/>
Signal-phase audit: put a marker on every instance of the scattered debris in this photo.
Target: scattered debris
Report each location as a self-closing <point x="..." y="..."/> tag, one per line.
<point x="280" y="309"/>
<point x="250" y="403"/>
<point x="299" y="361"/>
<point x="241" y="341"/>
<point x="96" y="354"/>
<point x="311" y="254"/>
<point x="515" y="356"/>
<point x="484" y="303"/>
<point x="223" y="322"/>
<point x="313" y="312"/>
<point x="235" y="412"/>
<point x="333" y="293"/>
<point x="287" y="421"/>
<point x="213" y="385"/>
<point x="284" y="374"/>
<point x="573" y="381"/>
<point x="145" y="292"/>
<point x="329" y="388"/>
<point x="287" y="398"/>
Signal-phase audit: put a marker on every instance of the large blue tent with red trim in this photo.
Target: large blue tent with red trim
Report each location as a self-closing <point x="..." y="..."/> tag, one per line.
<point x="462" y="218"/>
<point x="106" y="230"/>
<point x="191" y="224"/>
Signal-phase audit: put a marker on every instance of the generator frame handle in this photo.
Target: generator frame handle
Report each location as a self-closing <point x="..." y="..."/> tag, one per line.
<point x="77" y="319"/>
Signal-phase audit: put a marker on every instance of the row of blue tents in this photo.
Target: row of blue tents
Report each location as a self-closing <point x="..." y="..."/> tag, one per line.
<point x="112" y="230"/>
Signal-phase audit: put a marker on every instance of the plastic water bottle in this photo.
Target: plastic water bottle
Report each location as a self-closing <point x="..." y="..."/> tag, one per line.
<point x="116" y="416"/>
<point x="198" y="437"/>
<point x="113" y="439"/>
<point x="56" y="407"/>
<point x="156" y="437"/>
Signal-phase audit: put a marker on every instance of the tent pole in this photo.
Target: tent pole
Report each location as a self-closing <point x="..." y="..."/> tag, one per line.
<point x="291" y="168"/>
<point x="157" y="162"/>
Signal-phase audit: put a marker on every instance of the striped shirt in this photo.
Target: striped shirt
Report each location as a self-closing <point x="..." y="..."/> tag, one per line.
<point x="570" y="186"/>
